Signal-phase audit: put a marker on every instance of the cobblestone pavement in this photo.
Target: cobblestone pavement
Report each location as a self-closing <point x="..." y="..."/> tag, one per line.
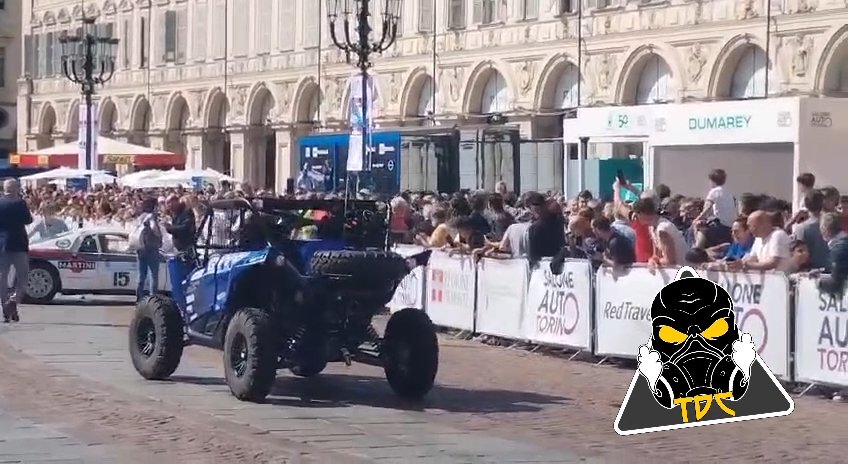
<point x="67" y="390"/>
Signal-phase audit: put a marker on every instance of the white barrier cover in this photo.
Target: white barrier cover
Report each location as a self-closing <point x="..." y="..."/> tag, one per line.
<point x="821" y="335"/>
<point x="623" y="304"/>
<point x="501" y="291"/>
<point x="762" y="310"/>
<point x="450" y="291"/>
<point x="559" y="307"/>
<point x="410" y="292"/>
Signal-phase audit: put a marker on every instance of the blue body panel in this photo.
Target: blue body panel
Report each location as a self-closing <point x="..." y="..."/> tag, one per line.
<point x="208" y="288"/>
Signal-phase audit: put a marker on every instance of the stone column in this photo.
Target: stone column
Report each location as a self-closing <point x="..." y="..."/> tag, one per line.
<point x="286" y="158"/>
<point x="194" y="149"/>
<point x="237" y="155"/>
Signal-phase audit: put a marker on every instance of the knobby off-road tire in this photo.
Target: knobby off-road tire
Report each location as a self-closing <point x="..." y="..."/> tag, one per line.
<point x="156" y="337"/>
<point x="410" y="352"/>
<point x="367" y="268"/>
<point x="250" y="357"/>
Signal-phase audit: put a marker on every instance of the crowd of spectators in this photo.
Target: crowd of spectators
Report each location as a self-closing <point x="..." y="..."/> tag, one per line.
<point x="719" y="231"/>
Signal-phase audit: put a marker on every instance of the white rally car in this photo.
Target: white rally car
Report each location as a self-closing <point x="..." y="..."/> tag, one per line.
<point x="86" y="261"/>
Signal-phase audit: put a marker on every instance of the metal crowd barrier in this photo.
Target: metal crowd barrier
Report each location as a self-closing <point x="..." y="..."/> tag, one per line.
<point x="801" y="333"/>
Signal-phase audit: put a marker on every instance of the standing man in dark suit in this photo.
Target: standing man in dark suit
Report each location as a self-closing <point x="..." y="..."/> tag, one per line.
<point x="837" y="241"/>
<point x="14" y="248"/>
<point x="182" y="227"/>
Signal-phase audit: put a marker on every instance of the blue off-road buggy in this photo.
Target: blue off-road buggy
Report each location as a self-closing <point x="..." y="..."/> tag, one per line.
<point x="272" y="299"/>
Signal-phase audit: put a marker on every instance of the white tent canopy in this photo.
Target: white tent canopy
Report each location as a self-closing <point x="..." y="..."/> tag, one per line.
<point x="62" y="173"/>
<point x="105" y="146"/>
<point x="173" y="178"/>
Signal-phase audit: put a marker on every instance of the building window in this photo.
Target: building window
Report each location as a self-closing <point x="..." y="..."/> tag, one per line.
<point x="143" y="38"/>
<point x="2" y="4"/>
<point x="263" y="18"/>
<point x="456" y="14"/>
<point x="170" y="36"/>
<point x="287" y="33"/>
<point x="425" y="15"/>
<point x="567" y="6"/>
<point x="486" y="11"/>
<point x="529" y="9"/>
<point x="48" y="55"/>
<point x="57" y="53"/>
<point x="126" y="45"/>
<point x="241" y="27"/>
<point x="28" y="49"/>
<point x="2" y="66"/>
<point x="311" y="26"/>
<point x="199" y="44"/>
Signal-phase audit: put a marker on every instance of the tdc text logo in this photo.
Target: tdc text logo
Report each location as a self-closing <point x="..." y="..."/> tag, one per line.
<point x="698" y="368"/>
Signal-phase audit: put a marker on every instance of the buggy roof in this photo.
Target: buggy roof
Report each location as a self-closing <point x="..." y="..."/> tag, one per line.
<point x="282" y="204"/>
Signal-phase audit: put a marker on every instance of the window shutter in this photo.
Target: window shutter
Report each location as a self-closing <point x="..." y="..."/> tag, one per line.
<point x="478" y="11"/>
<point x="456" y="15"/>
<point x="531" y="9"/>
<point x="286" y="24"/>
<point x="425" y="15"/>
<point x="198" y="39"/>
<point x="57" y="54"/>
<point x="170" y="48"/>
<point x="39" y="55"/>
<point x="182" y="35"/>
<point x="219" y="28"/>
<point x="263" y="27"/>
<point x="310" y="24"/>
<point x="241" y="27"/>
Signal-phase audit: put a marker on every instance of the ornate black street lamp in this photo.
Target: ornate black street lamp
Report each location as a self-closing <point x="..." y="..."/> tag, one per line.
<point x="88" y="60"/>
<point x="356" y="30"/>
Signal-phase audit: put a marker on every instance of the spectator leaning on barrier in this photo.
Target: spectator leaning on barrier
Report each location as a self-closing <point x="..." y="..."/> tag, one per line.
<point x="837" y="240"/>
<point x="618" y="249"/>
<point x="808" y="231"/>
<point x="739" y="247"/>
<point x="770" y="251"/>
<point x="546" y="236"/>
<point x="800" y="256"/>
<point x="669" y="247"/>
<point x="643" y="244"/>
<point x="501" y="220"/>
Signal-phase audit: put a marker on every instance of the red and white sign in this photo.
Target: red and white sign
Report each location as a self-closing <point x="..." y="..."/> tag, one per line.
<point x="501" y="291"/>
<point x="762" y="310"/>
<point x="821" y="335"/>
<point x="410" y="291"/>
<point x="559" y="307"/>
<point x="450" y="292"/>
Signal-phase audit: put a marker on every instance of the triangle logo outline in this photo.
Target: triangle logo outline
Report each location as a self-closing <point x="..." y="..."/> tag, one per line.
<point x="636" y="378"/>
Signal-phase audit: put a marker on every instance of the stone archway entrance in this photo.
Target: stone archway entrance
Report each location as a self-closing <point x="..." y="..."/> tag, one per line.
<point x="47" y="127"/>
<point x="175" y="138"/>
<point x="262" y="142"/>
<point x="216" y="142"/>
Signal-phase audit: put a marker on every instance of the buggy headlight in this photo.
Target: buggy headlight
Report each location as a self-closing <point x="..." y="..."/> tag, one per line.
<point x="280" y="261"/>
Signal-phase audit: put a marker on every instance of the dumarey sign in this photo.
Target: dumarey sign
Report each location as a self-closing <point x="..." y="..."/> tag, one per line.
<point x="813" y="131"/>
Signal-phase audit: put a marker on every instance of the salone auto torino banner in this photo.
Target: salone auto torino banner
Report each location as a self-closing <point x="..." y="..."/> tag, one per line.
<point x="559" y="307"/>
<point x="821" y="335"/>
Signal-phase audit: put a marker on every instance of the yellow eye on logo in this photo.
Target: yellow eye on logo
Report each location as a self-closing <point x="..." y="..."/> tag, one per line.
<point x="670" y="335"/>
<point x="719" y="328"/>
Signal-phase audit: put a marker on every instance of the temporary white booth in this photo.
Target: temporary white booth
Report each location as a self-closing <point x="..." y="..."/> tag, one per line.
<point x="763" y="144"/>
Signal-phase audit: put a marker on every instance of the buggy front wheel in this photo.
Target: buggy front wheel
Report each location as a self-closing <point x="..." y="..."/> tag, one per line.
<point x="410" y="353"/>
<point x="250" y="360"/>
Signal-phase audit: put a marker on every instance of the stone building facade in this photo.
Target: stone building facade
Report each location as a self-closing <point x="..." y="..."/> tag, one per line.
<point x="238" y="101"/>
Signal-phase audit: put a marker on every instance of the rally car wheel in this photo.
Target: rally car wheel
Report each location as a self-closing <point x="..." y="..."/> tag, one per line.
<point x="156" y="337"/>
<point x="410" y="352"/>
<point x="250" y="360"/>
<point x="43" y="282"/>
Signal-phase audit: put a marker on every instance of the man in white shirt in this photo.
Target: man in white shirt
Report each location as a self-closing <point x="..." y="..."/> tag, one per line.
<point x="771" y="249"/>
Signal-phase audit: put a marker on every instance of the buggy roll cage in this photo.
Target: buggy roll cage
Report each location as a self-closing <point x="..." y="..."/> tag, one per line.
<point x="278" y="206"/>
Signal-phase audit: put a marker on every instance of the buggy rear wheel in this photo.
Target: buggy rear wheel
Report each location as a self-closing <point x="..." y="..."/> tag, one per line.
<point x="250" y="360"/>
<point x="156" y="337"/>
<point x="410" y="353"/>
